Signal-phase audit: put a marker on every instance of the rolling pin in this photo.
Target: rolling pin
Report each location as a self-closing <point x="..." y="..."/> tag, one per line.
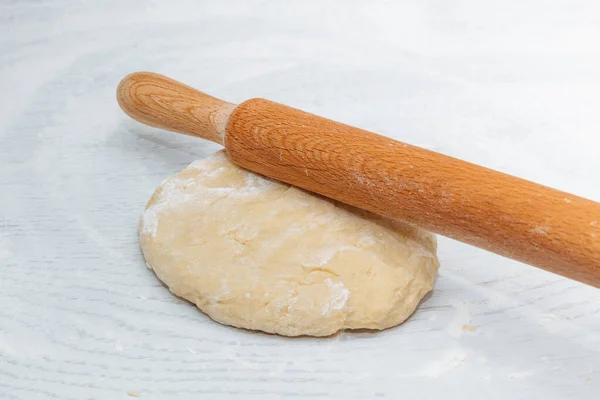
<point x="531" y="223"/>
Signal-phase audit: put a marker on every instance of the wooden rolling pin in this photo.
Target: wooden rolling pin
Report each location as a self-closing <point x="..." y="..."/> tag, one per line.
<point x="547" y="228"/>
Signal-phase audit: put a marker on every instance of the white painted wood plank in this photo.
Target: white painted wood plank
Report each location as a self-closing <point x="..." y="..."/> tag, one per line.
<point x="511" y="85"/>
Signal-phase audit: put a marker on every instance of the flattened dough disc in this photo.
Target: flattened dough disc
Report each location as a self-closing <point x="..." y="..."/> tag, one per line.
<point x="258" y="254"/>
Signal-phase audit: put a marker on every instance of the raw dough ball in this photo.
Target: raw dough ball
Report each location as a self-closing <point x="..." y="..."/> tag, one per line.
<point x="259" y="254"/>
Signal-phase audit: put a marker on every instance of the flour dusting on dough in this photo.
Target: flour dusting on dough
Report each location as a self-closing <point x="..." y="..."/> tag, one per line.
<point x="149" y="222"/>
<point x="172" y="196"/>
<point x="175" y="192"/>
<point x="326" y="256"/>
<point x="260" y="254"/>
<point x="339" y="296"/>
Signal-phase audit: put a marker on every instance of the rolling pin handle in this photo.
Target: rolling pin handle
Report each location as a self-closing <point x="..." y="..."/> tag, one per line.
<point x="164" y="103"/>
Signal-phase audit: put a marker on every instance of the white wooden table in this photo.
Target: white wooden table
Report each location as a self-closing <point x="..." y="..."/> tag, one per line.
<point x="515" y="87"/>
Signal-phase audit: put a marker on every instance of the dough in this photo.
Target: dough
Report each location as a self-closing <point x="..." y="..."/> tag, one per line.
<point x="259" y="254"/>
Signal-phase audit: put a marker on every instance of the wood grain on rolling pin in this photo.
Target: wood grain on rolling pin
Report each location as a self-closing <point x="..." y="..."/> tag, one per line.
<point x="165" y="103"/>
<point x="535" y="224"/>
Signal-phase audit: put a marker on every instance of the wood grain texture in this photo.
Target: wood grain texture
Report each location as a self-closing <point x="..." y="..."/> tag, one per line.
<point x="82" y="318"/>
<point x="161" y="102"/>
<point x="512" y="217"/>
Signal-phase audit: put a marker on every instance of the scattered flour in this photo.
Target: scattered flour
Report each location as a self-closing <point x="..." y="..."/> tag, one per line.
<point x="521" y="374"/>
<point x="452" y="359"/>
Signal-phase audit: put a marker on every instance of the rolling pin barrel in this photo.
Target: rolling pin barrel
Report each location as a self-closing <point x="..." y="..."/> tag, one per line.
<point x="547" y="228"/>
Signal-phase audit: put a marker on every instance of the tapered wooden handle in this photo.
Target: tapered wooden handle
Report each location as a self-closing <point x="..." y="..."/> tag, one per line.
<point x="161" y="102"/>
<point x="519" y="219"/>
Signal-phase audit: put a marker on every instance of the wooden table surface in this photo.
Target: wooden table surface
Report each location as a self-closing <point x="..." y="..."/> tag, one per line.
<point x="512" y="85"/>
